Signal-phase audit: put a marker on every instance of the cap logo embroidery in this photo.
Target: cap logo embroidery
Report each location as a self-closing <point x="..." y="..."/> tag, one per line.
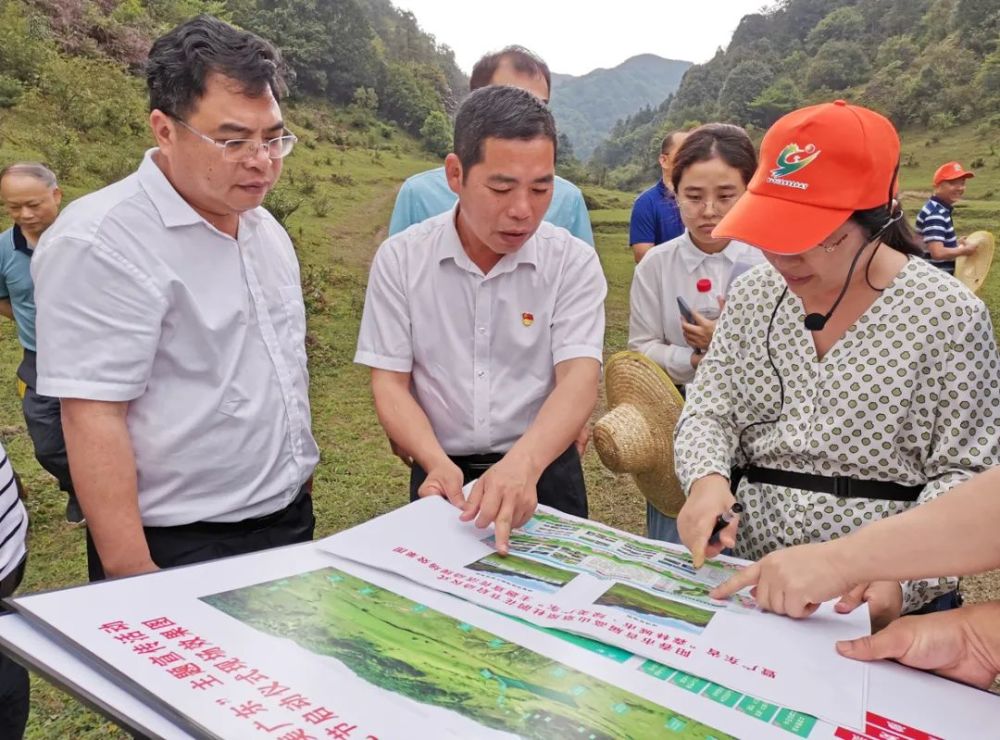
<point x="791" y="159"/>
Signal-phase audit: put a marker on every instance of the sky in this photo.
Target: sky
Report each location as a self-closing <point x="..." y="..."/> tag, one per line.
<point x="576" y="37"/>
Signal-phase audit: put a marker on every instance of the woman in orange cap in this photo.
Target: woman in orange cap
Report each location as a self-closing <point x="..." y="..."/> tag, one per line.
<point x="847" y="380"/>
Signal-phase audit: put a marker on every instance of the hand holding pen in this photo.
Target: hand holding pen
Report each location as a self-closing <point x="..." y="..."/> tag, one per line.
<point x="709" y="520"/>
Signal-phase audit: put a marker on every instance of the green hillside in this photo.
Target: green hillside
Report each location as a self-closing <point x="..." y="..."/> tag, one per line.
<point x="931" y="64"/>
<point x="587" y="107"/>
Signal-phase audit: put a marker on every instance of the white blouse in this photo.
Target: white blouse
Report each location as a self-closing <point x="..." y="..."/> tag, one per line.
<point x="910" y="394"/>
<point x="667" y="271"/>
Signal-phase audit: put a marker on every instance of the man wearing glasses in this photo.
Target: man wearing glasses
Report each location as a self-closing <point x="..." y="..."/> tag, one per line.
<point x="171" y="324"/>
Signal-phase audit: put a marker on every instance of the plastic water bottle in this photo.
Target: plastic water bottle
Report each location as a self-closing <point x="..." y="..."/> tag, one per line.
<point x="707" y="301"/>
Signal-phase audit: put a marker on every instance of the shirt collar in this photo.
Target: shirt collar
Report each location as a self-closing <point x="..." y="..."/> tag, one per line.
<point x="450" y="247"/>
<point x="692" y="257"/>
<point x="662" y="189"/>
<point x="942" y="203"/>
<point x="21" y="242"/>
<point x="173" y="209"/>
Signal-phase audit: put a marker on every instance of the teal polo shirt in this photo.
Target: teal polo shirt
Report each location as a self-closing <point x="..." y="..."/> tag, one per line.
<point x="16" y="284"/>
<point x="427" y="194"/>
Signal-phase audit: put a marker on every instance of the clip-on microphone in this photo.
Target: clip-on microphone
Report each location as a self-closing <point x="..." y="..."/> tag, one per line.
<point x="817" y="321"/>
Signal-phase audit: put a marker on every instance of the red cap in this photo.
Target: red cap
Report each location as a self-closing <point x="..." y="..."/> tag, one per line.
<point x="704" y="285"/>
<point x="818" y="165"/>
<point x="951" y="171"/>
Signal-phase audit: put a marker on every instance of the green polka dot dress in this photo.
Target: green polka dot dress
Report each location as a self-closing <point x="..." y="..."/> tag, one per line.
<point x="910" y="394"/>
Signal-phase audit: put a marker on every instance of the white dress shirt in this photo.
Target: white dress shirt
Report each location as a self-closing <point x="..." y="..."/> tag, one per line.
<point x="669" y="270"/>
<point x="142" y="300"/>
<point x="481" y="349"/>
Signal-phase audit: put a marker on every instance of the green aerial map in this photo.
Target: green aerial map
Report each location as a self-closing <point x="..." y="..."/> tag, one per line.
<point x="405" y="647"/>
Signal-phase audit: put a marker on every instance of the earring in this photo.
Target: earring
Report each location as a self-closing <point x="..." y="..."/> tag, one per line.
<point x="828" y="248"/>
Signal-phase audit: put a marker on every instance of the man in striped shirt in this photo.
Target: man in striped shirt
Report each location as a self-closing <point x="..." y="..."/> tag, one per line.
<point x="934" y="221"/>
<point x="13" y="552"/>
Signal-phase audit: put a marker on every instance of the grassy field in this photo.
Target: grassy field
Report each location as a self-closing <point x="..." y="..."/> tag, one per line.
<point x="631" y="599"/>
<point x="516" y="566"/>
<point x="347" y="197"/>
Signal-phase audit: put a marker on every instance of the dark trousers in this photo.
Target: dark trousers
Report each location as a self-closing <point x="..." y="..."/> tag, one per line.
<point x="14" y="685"/>
<point x="43" y="417"/>
<point x="201" y="541"/>
<point x="561" y="485"/>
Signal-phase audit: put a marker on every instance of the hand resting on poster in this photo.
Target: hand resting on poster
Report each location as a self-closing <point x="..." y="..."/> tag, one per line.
<point x="962" y="644"/>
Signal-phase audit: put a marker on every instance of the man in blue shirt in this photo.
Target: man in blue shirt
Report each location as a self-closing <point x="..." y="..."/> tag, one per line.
<point x="655" y="216"/>
<point x="934" y="222"/>
<point x="31" y="198"/>
<point x="427" y="194"/>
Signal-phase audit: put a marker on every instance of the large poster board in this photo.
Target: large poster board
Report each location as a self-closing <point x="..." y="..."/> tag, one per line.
<point x="296" y="644"/>
<point x="384" y="649"/>
<point x="637" y="594"/>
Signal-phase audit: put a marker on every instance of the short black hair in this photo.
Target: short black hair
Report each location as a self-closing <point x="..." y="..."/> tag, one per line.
<point x="524" y="61"/>
<point x="182" y="59"/>
<point x="502" y="112"/>
<point x="729" y="143"/>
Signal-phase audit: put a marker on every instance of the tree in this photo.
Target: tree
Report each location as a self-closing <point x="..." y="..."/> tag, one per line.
<point x="837" y="65"/>
<point x="407" y="97"/>
<point x="564" y="150"/>
<point x="743" y="84"/>
<point x="897" y="49"/>
<point x="843" y="24"/>
<point x="989" y="75"/>
<point x="978" y="22"/>
<point x="329" y="44"/>
<point x="780" y="98"/>
<point x="436" y="133"/>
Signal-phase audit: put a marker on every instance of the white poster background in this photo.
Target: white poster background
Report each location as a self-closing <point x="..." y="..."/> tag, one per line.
<point x="795" y="652"/>
<point x="933" y="705"/>
<point x="77" y="614"/>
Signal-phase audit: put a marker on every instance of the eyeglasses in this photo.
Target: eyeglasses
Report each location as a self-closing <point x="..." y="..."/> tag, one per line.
<point x="697" y="204"/>
<point x="242" y="150"/>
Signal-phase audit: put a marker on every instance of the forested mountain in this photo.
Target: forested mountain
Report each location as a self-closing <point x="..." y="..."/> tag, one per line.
<point x="924" y="63"/>
<point x="586" y="107"/>
<point x="365" y="53"/>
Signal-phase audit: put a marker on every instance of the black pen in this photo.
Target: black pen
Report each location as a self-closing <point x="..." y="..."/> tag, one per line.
<point x="723" y="520"/>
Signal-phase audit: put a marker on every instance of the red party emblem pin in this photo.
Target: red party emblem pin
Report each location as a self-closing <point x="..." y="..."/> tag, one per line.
<point x="527" y="318"/>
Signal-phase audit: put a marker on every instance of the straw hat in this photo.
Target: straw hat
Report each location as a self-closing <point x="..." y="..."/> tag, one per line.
<point x="972" y="269"/>
<point x="636" y="435"/>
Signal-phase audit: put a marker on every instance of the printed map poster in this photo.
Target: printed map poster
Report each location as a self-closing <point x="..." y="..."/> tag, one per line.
<point x="637" y="594"/>
<point x="294" y="644"/>
<point x="903" y="703"/>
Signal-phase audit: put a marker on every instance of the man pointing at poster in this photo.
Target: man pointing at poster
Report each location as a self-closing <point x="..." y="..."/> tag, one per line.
<point x="497" y="321"/>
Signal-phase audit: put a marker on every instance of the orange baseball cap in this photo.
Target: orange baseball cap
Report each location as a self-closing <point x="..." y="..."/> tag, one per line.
<point x="818" y="165"/>
<point x="951" y="171"/>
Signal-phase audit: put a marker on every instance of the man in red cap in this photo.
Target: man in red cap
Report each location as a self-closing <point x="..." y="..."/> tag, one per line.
<point x="934" y="221"/>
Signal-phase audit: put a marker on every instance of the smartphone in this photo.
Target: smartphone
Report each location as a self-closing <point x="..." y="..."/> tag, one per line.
<point x="685" y="310"/>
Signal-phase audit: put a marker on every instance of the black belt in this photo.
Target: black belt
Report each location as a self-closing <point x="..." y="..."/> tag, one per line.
<point x="244" y="525"/>
<point x="835" y="486"/>
<point x="476" y="464"/>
